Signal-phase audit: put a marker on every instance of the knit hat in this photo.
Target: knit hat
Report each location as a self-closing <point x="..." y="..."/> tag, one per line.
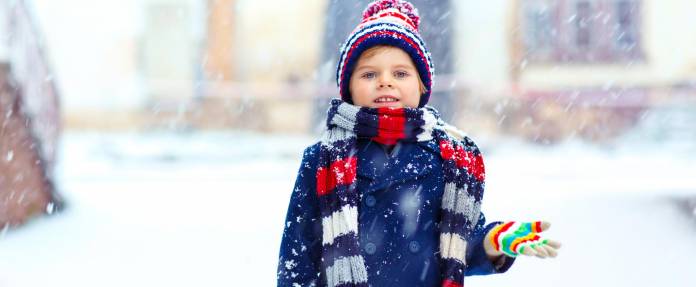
<point x="392" y="23"/>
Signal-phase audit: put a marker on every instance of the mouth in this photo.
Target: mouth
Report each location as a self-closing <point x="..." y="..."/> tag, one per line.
<point x="386" y="99"/>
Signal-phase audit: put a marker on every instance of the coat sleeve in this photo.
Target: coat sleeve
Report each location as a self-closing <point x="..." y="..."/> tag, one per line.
<point x="476" y="257"/>
<point x="300" y="249"/>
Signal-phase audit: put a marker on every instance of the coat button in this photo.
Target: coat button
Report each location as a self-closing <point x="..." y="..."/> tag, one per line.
<point x="370" y="200"/>
<point x="414" y="246"/>
<point x="370" y="248"/>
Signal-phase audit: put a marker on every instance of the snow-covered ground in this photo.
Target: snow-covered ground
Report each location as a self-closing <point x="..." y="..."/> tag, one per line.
<point x="207" y="209"/>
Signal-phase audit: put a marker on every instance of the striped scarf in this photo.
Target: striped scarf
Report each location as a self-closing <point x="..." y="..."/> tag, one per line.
<point x="463" y="171"/>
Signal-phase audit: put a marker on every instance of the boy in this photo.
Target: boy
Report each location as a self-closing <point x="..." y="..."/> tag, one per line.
<point x="391" y="194"/>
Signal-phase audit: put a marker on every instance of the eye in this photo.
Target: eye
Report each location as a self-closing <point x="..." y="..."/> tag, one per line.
<point x="368" y="75"/>
<point x="401" y="74"/>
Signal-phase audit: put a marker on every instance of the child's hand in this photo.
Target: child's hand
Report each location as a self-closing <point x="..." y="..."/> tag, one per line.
<point x="514" y="238"/>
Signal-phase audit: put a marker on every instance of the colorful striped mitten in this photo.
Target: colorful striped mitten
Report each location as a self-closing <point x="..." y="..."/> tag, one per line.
<point x="513" y="237"/>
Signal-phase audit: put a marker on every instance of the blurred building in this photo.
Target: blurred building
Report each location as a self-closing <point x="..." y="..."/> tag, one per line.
<point x="259" y="61"/>
<point x="542" y="69"/>
<point x="548" y="70"/>
<point x="593" y="68"/>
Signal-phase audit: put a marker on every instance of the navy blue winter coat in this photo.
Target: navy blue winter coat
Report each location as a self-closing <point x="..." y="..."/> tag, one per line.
<point x="400" y="196"/>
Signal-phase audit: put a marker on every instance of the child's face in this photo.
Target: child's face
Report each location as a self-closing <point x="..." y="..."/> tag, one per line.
<point x="385" y="77"/>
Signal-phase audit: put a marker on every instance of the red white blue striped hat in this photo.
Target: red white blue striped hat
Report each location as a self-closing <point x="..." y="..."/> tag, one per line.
<point x="386" y="22"/>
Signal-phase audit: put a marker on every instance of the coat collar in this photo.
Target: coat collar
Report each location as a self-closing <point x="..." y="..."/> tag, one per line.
<point x="431" y="146"/>
<point x="406" y="161"/>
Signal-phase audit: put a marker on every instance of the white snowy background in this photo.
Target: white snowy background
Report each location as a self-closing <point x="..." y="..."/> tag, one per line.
<point x="207" y="209"/>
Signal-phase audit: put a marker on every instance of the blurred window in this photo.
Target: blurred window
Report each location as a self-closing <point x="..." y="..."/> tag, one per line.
<point x="626" y="28"/>
<point x="583" y="24"/>
<point x="601" y="31"/>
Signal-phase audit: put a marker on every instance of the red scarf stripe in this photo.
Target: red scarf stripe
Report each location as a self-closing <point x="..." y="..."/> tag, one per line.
<point x="340" y="172"/>
<point x="464" y="159"/>
<point x="446" y="150"/>
<point x="391" y="124"/>
<point x="450" y="283"/>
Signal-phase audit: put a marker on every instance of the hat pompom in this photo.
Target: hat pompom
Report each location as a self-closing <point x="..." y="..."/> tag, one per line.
<point x="403" y="7"/>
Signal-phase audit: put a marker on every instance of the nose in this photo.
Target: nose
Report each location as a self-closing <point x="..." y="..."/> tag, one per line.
<point x="385" y="81"/>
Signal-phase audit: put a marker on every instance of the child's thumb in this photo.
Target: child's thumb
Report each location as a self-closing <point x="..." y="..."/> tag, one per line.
<point x="545" y="225"/>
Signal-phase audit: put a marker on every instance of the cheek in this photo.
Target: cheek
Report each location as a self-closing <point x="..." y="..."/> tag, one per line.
<point x="411" y="94"/>
<point x="359" y="91"/>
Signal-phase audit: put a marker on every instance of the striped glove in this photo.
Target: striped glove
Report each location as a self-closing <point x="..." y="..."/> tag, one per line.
<point x="514" y="238"/>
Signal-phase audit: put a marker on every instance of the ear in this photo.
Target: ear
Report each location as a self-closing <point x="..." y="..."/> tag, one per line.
<point x="350" y="97"/>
